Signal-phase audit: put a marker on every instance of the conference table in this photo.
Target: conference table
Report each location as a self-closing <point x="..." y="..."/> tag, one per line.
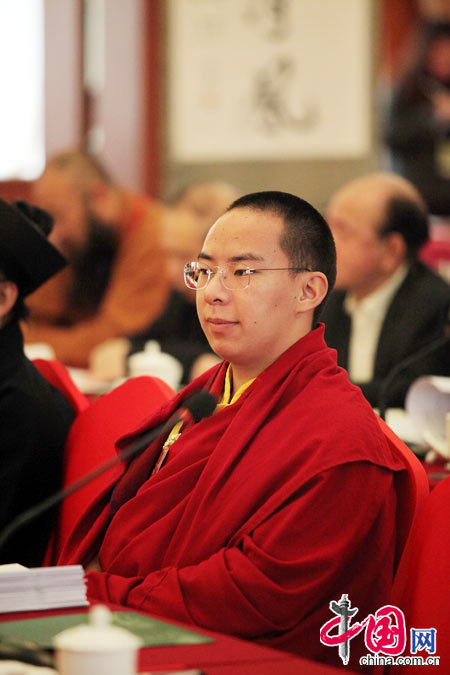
<point x="222" y="655"/>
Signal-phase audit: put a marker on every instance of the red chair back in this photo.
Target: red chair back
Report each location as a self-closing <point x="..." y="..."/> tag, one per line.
<point x="57" y="374"/>
<point x="436" y="254"/>
<point x="422" y="584"/>
<point x="92" y="442"/>
<point x="412" y="488"/>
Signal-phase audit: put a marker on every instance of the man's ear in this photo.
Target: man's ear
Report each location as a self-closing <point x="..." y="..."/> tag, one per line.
<point x="8" y="296"/>
<point x="394" y="251"/>
<point x="312" y="291"/>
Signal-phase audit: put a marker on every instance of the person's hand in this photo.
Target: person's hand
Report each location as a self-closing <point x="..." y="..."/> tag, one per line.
<point x="93" y="566"/>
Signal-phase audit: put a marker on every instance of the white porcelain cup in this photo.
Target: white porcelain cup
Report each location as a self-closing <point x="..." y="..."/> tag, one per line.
<point x="152" y="361"/>
<point x="96" y="648"/>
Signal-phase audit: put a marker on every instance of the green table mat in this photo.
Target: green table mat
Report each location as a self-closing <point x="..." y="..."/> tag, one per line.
<point x="152" y="632"/>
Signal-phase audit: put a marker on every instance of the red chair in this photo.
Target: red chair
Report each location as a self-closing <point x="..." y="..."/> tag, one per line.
<point x="57" y="374"/>
<point x="436" y="254"/>
<point x="412" y="488"/>
<point x="422" y="584"/>
<point x="91" y="443"/>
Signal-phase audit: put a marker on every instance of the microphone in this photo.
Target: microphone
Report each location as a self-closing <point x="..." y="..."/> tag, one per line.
<point x="193" y="409"/>
<point x="402" y="365"/>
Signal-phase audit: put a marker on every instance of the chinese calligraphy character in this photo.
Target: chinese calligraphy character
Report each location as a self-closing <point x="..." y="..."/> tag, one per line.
<point x="384" y="634"/>
<point x="423" y="638"/>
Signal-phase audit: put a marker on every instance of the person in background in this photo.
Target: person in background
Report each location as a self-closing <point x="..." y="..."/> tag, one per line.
<point x="418" y="120"/>
<point x="34" y="417"/>
<point x="387" y="305"/>
<point x="206" y="200"/>
<point x="177" y="330"/>
<point x="116" y="282"/>
<point x="231" y="523"/>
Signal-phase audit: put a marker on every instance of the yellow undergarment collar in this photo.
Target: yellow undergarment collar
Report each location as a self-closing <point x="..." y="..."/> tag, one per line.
<point x="226" y="398"/>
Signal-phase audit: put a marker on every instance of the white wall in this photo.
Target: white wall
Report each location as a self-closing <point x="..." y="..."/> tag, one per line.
<point x="63" y="96"/>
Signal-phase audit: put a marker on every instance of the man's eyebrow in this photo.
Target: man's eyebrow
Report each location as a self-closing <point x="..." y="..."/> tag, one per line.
<point x="247" y="256"/>
<point x="243" y="257"/>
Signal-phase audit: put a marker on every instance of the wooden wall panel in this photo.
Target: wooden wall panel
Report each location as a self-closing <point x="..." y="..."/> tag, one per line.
<point x="153" y="98"/>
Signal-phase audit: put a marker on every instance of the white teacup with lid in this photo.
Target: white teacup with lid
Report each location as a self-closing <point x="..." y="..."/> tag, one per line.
<point x="152" y="361"/>
<point x="96" y="648"/>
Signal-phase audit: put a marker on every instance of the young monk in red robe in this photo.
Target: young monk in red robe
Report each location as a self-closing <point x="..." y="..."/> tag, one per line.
<point x="283" y="499"/>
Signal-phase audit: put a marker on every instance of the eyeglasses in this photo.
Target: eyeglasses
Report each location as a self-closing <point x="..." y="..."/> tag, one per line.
<point x="235" y="276"/>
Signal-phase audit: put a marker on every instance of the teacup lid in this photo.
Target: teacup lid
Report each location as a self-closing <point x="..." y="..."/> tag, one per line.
<point x="152" y="361"/>
<point x="97" y="635"/>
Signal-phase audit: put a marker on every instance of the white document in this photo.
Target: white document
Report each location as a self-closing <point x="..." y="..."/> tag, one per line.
<point x="28" y="589"/>
<point x="428" y="404"/>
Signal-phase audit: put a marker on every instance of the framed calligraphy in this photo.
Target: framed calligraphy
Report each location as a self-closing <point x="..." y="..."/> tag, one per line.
<point x="269" y="79"/>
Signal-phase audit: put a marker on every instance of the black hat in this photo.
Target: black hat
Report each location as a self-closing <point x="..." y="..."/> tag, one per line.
<point x="26" y="256"/>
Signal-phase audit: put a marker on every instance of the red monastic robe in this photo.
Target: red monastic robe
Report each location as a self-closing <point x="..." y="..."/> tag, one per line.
<point x="262" y="514"/>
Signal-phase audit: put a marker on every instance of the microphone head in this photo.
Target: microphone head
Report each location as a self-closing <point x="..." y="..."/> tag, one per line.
<point x="200" y="405"/>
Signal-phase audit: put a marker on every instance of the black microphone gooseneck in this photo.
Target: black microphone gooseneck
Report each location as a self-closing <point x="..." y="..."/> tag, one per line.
<point x="197" y="406"/>
<point x="410" y="360"/>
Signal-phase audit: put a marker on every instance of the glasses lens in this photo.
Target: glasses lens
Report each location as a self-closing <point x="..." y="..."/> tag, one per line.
<point x="196" y="275"/>
<point x="236" y="276"/>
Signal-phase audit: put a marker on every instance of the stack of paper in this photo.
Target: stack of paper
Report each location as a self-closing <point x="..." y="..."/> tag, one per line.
<point x="428" y="405"/>
<point x="24" y="589"/>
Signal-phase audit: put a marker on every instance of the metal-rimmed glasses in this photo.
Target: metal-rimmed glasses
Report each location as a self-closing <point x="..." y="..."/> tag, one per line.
<point x="234" y="276"/>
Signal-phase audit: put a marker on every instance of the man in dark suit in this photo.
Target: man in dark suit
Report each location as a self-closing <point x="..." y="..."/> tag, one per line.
<point x="34" y="417"/>
<point x="387" y="305"/>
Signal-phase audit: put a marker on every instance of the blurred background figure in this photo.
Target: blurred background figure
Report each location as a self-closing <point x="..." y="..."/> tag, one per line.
<point x="34" y="417"/>
<point x="206" y="201"/>
<point x="387" y="304"/>
<point x="418" y="119"/>
<point x="116" y="282"/>
<point x="177" y="330"/>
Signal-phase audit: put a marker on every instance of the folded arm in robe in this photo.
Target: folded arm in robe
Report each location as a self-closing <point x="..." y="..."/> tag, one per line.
<point x="335" y="528"/>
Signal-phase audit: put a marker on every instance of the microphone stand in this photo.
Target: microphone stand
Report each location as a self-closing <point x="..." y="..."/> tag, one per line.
<point x="36" y="510"/>
<point x="197" y="406"/>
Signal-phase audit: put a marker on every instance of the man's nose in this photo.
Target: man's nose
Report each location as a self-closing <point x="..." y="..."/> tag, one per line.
<point x="215" y="290"/>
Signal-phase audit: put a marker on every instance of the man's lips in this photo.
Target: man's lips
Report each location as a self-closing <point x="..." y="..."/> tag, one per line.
<point x="220" y="322"/>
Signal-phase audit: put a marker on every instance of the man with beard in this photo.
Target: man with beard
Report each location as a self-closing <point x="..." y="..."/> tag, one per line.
<point x="116" y="282"/>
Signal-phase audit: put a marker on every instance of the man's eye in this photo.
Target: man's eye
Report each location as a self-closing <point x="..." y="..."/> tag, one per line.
<point x="203" y="270"/>
<point x="242" y="272"/>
